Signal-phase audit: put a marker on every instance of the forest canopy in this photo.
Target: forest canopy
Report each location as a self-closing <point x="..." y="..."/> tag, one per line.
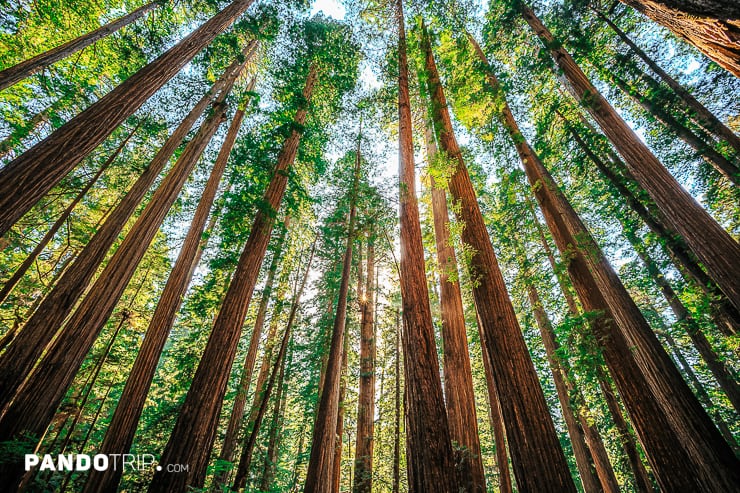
<point x="366" y="245"/>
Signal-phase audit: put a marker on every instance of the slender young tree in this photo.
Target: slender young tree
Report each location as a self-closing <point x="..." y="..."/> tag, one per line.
<point x="713" y="246"/>
<point x="191" y="440"/>
<point x="711" y="26"/>
<point x="396" y="488"/>
<point x="366" y="400"/>
<point x="538" y="460"/>
<point x="430" y="459"/>
<point x="640" y="366"/>
<point x="706" y="118"/>
<point x="40" y="329"/>
<point x="31" y="258"/>
<point x="31" y="175"/>
<point x="458" y="376"/>
<point x="26" y="68"/>
<point x="121" y="430"/>
<point x="320" y="473"/>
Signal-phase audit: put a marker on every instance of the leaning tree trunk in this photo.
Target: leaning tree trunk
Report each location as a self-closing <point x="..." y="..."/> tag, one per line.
<point x="32" y="174"/>
<point x="120" y="433"/>
<point x="430" y="459"/>
<point x="319" y="478"/>
<point x="706" y="118"/>
<point x="246" y="457"/>
<point x="192" y="438"/>
<point x="366" y="398"/>
<point x="716" y="249"/>
<point x="31" y="411"/>
<point x="536" y="455"/>
<point x="458" y="376"/>
<point x="27" y="347"/>
<point x="273" y="442"/>
<point x="26" y="68"/>
<point x="654" y="391"/>
<point x="21" y="270"/>
<point x="336" y="474"/>
<point x="723" y="312"/>
<point x="236" y="418"/>
<point x="713" y="26"/>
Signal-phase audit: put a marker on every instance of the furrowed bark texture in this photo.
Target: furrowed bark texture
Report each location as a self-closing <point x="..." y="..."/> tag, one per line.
<point x="537" y="458"/>
<point x="319" y="478"/>
<point x="431" y="462"/>
<point x="120" y="433"/>
<point x="26" y="68"/>
<point x="31" y="411"/>
<point x="719" y="253"/>
<point x="458" y="376"/>
<point x="32" y="174"/>
<point x="40" y="329"/>
<point x="713" y="26"/>
<point x="192" y="439"/>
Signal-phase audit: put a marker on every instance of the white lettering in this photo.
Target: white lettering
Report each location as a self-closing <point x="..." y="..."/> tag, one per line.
<point x="83" y="462"/>
<point x="31" y="460"/>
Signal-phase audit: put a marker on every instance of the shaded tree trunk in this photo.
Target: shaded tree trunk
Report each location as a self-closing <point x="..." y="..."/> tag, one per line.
<point x="458" y="387"/>
<point x="430" y="458"/>
<point x="396" y="488"/>
<point x="366" y="399"/>
<point x="26" y="68"/>
<point x="537" y="458"/>
<point x="26" y="348"/>
<point x="654" y="391"/>
<point x="273" y="444"/>
<point x="719" y="253"/>
<point x="193" y="435"/>
<point x="713" y="27"/>
<point x="706" y="118"/>
<point x="32" y="174"/>
<point x="120" y="433"/>
<point x="319" y="478"/>
<point x="246" y="456"/>
<point x="21" y="270"/>
<point x="339" y="442"/>
<point x="236" y="419"/>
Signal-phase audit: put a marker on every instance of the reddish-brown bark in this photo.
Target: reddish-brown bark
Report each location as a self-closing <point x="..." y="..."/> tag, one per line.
<point x="121" y="430"/>
<point x="537" y="458"/>
<point x="430" y="458"/>
<point x="32" y="174"/>
<point x="26" y="68"/>
<point x="458" y="376"/>
<point x="191" y="440"/>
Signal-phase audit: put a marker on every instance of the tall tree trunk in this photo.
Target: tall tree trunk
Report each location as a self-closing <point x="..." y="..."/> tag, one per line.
<point x="31" y="411"/>
<point x="121" y="430"/>
<point x="654" y="391"/>
<point x="458" y="376"/>
<point x="32" y="174"/>
<point x="713" y="27"/>
<point x="719" y="162"/>
<point x="538" y="460"/>
<point x="397" y="410"/>
<point x="336" y="475"/>
<point x="724" y="313"/>
<point x="366" y="399"/>
<point x="706" y="118"/>
<point x="26" y="68"/>
<point x="320" y="474"/>
<point x="629" y="444"/>
<point x="236" y="419"/>
<point x="588" y="449"/>
<point x="716" y="249"/>
<point x="430" y="459"/>
<point x="21" y="270"/>
<point x="273" y="443"/>
<point x="192" y="438"/>
<point x="246" y="457"/>
<point x="27" y="347"/>
<point x="496" y="417"/>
